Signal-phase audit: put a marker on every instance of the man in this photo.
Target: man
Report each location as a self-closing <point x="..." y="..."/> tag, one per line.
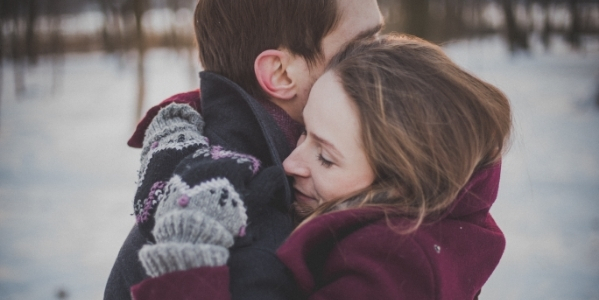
<point x="265" y="52"/>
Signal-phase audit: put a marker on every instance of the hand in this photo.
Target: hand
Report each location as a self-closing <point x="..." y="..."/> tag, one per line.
<point x="200" y="212"/>
<point x="175" y="133"/>
<point x="194" y="227"/>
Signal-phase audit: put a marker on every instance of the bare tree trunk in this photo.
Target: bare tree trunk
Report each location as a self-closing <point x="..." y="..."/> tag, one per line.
<point x="138" y="9"/>
<point x="118" y="30"/>
<point x="547" y="28"/>
<point x="453" y="17"/>
<point x="481" y="24"/>
<point x="111" y="35"/>
<point x="191" y="66"/>
<point x="141" y="86"/>
<point x="17" y="56"/>
<point x="2" y="13"/>
<point x="108" y="45"/>
<point x="573" y="35"/>
<point x="57" y="47"/>
<point x="31" y="45"/>
<point x="416" y="14"/>
<point x="516" y="37"/>
<point x="174" y="36"/>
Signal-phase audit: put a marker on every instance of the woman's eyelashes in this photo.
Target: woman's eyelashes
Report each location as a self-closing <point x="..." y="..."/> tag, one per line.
<point x="324" y="162"/>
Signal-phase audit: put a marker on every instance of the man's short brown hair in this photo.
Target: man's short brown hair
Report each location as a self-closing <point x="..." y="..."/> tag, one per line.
<point x="232" y="33"/>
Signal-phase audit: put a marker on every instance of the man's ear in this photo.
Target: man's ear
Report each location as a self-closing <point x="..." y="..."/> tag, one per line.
<point x="272" y="74"/>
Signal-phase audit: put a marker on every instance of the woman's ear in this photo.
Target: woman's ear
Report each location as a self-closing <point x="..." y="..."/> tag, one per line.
<point x="273" y="76"/>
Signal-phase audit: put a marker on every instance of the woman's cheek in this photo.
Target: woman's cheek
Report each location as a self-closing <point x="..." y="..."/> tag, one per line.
<point x="326" y="187"/>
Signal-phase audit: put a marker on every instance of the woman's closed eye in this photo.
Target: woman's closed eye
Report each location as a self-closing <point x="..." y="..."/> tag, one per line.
<point x="324" y="162"/>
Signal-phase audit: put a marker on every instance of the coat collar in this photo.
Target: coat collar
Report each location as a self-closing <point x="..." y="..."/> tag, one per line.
<point x="475" y="198"/>
<point x="478" y="194"/>
<point x="238" y="122"/>
<point x="308" y="250"/>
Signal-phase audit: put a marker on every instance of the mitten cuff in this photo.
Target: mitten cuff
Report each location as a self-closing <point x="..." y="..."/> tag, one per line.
<point x="174" y="123"/>
<point x="193" y="227"/>
<point x="163" y="258"/>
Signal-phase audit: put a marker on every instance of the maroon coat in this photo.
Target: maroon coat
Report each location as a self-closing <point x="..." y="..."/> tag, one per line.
<point x="354" y="254"/>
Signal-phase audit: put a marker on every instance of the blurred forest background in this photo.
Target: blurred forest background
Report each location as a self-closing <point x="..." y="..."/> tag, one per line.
<point x="76" y="75"/>
<point x="31" y="28"/>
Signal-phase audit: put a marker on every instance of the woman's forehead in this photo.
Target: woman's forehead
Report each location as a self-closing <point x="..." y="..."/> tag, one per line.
<point x="330" y="114"/>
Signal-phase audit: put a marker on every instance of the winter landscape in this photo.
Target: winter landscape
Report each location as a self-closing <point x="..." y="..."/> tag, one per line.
<point x="67" y="178"/>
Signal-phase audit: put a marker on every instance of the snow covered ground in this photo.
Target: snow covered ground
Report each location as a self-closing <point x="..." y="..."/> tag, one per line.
<point x="548" y="204"/>
<point x="67" y="176"/>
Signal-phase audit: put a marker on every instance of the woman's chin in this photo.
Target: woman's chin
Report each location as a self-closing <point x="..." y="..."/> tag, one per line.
<point x="304" y="205"/>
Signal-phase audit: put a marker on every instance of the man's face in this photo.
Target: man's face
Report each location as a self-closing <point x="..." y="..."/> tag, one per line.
<point x="358" y="19"/>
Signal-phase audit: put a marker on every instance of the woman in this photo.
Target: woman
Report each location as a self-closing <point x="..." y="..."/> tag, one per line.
<point x="394" y="178"/>
<point x="396" y="172"/>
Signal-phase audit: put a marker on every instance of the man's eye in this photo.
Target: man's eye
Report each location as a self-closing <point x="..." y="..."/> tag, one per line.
<point x="325" y="163"/>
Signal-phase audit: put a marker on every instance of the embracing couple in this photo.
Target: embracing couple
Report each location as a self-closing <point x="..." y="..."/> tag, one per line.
<point x="318" y="160"/>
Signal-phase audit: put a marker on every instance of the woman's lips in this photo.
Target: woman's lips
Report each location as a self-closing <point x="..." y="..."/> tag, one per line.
<point x="299" y="196"/>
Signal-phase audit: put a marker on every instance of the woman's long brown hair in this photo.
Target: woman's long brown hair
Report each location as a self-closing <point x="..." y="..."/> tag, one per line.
<point x="427" y="125"/>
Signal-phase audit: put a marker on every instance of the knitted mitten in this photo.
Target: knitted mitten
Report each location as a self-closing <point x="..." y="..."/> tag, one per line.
<point x="169" y="124"/>
<point x="194" y="227"/>
<point x="176" y="126"/>
<point x="200" y="212"/>
<point x="211" y="212"/>
<point x="174" y="133"/>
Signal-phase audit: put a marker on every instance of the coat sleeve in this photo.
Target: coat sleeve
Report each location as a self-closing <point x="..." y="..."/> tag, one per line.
<point x="199" y="283"/>
<point x="259" y="276"/>
<point x="127" y="270"/>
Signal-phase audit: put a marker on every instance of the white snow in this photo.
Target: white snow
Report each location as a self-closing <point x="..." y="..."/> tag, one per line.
<point x="548" y="205"/>
<point x="67" y="178"/>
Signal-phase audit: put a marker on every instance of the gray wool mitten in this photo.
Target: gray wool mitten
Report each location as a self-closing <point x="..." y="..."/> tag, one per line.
<point x="163" y="258"/>
<point x="170" y="122"/>
<point x="194" y="226"/>
<point x="176" y="126"/>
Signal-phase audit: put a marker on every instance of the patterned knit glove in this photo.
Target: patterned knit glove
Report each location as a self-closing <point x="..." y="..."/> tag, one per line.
<point x="194" y="227"/>
<point x="200" y="212"/>
<point x="175" y="133"/>
<point x="175" y="126"/>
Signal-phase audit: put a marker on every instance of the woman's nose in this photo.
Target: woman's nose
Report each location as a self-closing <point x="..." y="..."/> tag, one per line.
<point x="294" y="165"/>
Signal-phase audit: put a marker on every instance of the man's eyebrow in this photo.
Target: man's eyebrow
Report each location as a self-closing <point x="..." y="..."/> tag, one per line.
<point x="328" y="144"/>
<point x="369" y="32"/>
